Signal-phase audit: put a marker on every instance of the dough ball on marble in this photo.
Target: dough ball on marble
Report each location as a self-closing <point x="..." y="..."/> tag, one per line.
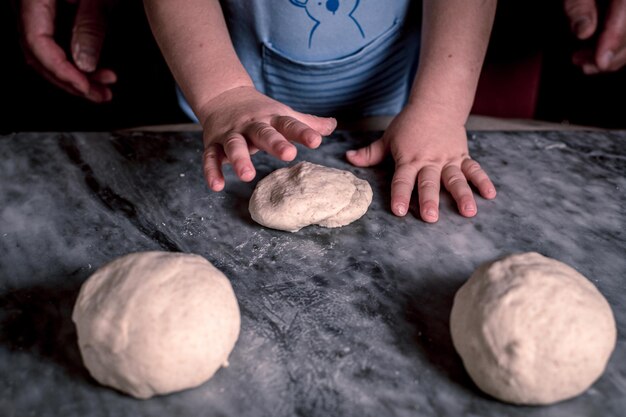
<point x="305" y="194"/>
<point x="532" y="330"/>
<point x="156" y="322"/>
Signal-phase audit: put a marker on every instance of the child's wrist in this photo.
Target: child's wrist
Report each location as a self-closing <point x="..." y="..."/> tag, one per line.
<point x="212" y="102"/>
<point x="439" y="110"/>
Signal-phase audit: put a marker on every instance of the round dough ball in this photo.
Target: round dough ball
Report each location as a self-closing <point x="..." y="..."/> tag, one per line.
<point x="156" y="322"/>
<point x="532" y="330"/>
<point x="305" y="194"/>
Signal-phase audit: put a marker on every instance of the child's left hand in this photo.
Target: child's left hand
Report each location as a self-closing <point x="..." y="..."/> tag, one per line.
<point x="428" y="148"/>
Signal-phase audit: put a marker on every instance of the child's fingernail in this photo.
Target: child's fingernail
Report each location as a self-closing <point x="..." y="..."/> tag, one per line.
<point x="351" y="153"/>
<point x="431" y="212"/>
<point x="469" y="208"/>
<point x="401" y="209"/>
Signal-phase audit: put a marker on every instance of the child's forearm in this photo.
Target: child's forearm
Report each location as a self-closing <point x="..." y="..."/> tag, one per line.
<point x="455" y="35"/>
<point x="195" y="42"/>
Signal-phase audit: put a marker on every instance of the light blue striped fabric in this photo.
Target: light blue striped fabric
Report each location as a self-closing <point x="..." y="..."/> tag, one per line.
<point x="342" y="58"/>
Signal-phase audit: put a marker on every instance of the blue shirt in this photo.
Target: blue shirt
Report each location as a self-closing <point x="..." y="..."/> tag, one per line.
<point x="342" y="58"/>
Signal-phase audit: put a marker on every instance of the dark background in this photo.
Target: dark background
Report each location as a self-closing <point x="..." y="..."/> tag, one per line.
<point x="525" y="31"/>
<point x="143" y="95"/>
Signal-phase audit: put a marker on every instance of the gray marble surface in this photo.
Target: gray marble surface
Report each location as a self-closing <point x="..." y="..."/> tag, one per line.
<point x="335" y="322"/>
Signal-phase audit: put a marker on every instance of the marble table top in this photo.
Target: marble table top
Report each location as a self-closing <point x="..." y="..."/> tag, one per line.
<point x="335" y="322"/>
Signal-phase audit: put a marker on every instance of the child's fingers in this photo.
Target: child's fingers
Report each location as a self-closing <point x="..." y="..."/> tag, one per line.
<point x="266" y="138"/>
<point x="212" y="166"/>
<point x="324" y="125"/>
<point x="477" y="176"/>
<point x="236" y="150"/>
<point x="428" y="187"/>
<point x="369" y="155"/>
<point x="402" y="186"/>
<point x="296" y="131"/>
<point x="455" y="182"/>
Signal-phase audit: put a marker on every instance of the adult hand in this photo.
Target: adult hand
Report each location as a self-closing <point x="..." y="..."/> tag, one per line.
<point x="241" y="121"/>
<point x="609" y="52"/>
<point x="82" y="77"/>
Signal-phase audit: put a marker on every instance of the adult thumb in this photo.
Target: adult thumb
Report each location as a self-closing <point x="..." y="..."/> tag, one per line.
<point x="88" y="34"/>
<point x="582" y="16"/>
<point x="611" y="40"/>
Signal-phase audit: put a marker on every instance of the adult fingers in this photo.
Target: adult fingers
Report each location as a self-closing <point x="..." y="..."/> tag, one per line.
<point x="88" y="34"/>
<point x="212" y="159"/>
<point x="402" y="186"/>
<point x="103" y="76"/>
<point x="296" y="131"/>
<point x="236" y="150"/>
<point x="68" y="87"/>
<point x="370" y="155"/>
<point x="266" y="138"/>
<point x="612" y="40"/>
<point x="477" y="176"/>
<point x="619" y="61"/>
<point x="586" y="60"/>
<point x="583" y="17"/>
<point x="324" y="125"/>
<point x="428" y="187"/>
<point x="37" y="18"/>
<point x="456" y="183"/>
<point x="99" y="93"/>
<point x="42" y="51"/>
<point x="583" y="56"/>
<point x="53" y="59"/>
<point x="100" y="82"/>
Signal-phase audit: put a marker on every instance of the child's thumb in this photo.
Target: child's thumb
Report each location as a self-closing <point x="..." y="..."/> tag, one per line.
<point x="370" y="155"/>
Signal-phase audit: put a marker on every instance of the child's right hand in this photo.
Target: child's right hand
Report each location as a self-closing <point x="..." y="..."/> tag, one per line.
<point x="241" y="121"/>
